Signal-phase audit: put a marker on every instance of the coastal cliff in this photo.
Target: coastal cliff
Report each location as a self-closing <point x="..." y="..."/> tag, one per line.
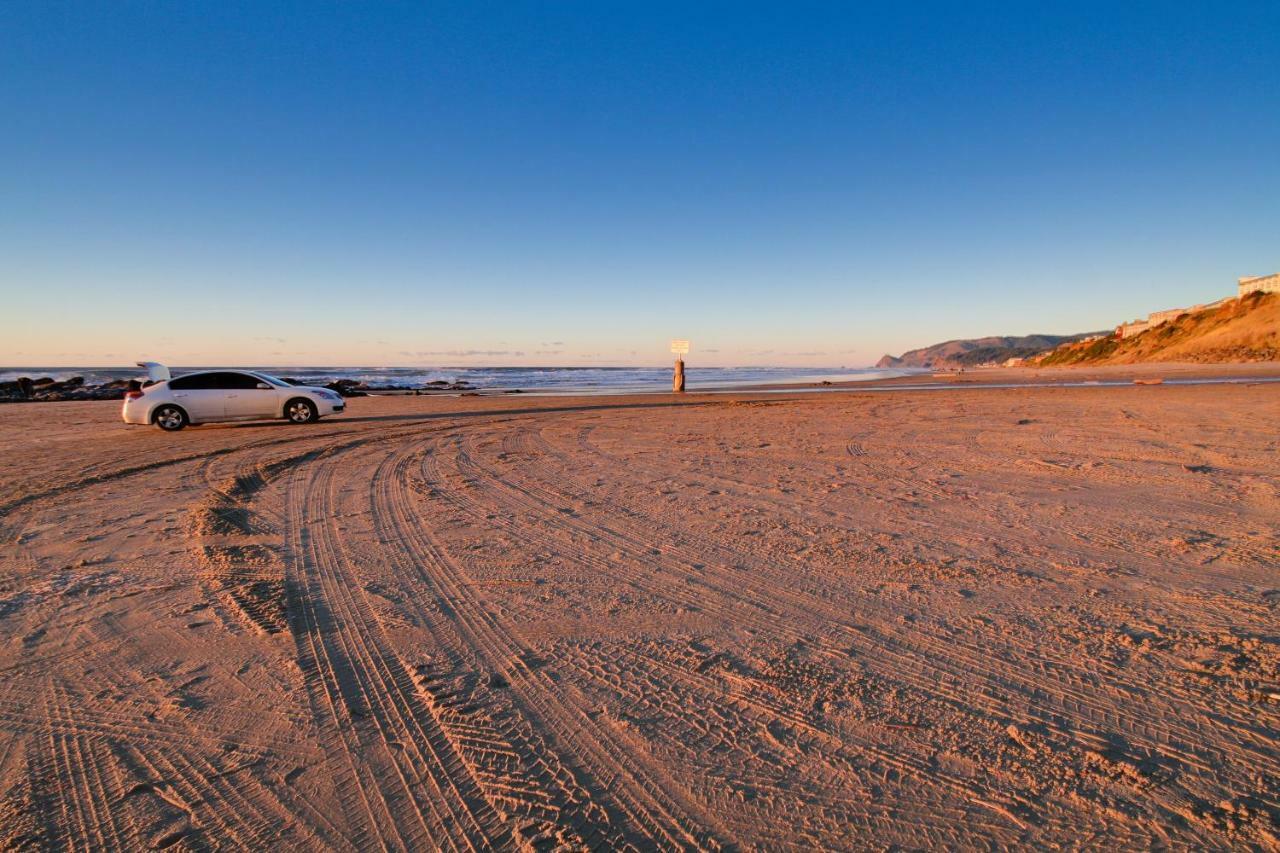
<point x="1239" y="330"/>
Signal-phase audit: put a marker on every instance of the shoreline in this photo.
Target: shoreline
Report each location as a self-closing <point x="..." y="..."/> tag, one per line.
<point x="1175" y="373"/>
<point x="995" y="377"/>
<point x="1048" y="377"/>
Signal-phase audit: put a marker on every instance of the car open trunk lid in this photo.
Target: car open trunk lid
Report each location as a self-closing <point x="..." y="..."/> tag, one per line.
<point x="156" y="372"/>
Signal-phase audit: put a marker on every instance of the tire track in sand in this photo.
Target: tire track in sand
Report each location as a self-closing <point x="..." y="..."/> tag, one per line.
<point x="553" y="487"/>
<point x="647" y="803"/>
<point x="919" y="658"/>
<point x="402" y="784"/>
<point x="930" y="664"/>
<point x="675" y="582"/>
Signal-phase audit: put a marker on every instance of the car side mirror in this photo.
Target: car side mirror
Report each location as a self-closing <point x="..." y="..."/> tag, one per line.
<point x="262" y="386"/>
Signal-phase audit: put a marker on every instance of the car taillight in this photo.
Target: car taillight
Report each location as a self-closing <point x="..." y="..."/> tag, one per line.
<point x="132" y="395"/>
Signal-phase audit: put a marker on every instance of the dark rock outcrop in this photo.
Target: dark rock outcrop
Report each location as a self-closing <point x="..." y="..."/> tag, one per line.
<point x="48" y="390"/>
<point x="347" y="387"/>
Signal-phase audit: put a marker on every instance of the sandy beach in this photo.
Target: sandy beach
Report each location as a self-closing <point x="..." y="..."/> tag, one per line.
<point x="975" y="618"/>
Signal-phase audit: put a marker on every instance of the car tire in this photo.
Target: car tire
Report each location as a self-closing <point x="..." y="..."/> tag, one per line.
<point x="300" y="410"/>
<point x="170" y="418"/>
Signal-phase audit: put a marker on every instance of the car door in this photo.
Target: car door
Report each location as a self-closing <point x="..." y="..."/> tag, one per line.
<point x="250" y="397"/>
<point x="201" y="395"/>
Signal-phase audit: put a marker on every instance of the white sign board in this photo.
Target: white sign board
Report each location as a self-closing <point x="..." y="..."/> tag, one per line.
<point x="680" y="347"/>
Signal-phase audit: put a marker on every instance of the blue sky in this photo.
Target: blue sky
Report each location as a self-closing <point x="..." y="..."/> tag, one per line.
<point x="568" y="183"/>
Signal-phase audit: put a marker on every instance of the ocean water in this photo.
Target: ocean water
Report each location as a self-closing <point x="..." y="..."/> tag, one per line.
<point x="554" y="380"/>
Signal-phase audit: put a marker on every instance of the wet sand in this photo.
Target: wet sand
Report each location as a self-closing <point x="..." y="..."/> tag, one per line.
<point x="850" y="620"/>
<point x="1030" y="377"/>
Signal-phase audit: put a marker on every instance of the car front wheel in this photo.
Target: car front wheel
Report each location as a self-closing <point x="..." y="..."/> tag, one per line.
<point x="170" y="418"/>
<point x="300" y="411"/>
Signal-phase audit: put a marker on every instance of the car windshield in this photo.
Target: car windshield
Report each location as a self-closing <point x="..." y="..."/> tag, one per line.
<point x="267" y="377"/>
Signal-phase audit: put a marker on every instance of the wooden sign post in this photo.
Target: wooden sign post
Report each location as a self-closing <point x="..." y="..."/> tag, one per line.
<point x="677" y="379"/>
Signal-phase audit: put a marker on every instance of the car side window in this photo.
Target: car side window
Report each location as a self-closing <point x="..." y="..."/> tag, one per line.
<point x="239" y="381"/>
<point x="195" y="382"/>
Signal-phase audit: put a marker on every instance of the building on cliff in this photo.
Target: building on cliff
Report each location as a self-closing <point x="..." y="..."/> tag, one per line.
<point x="1262" y="283"/>
<point x="1155" y="318"/>
<point x="1128" y="330"/>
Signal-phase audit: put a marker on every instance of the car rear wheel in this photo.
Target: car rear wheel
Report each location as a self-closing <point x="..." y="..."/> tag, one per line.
<point x="169" y="418"/>
<point x="300" y="411"/>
